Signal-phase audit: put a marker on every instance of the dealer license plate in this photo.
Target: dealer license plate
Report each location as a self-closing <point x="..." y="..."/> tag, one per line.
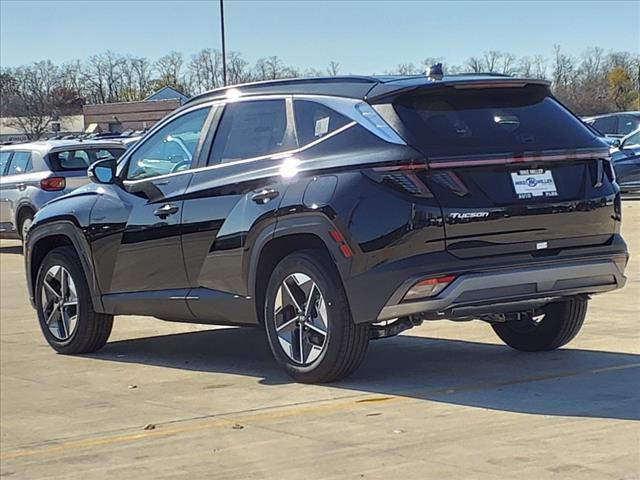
<point x="534" y="183"/>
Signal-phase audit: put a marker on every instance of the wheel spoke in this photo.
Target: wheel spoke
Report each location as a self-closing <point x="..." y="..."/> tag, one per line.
<point x="310" y="299"/>
<point x="301" y="341"/>
<point x="49" y="288"/>
<point x="316" y="329"/>
<point x="53" y="311"/>
<point x="286" y="326"/>
<point x="63" y="327"/>
<point x="296" y="301"/>
<point x="63" y="284"/>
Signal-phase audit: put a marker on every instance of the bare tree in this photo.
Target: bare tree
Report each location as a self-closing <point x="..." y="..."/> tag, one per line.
<point x="272" y="68"/>
<point x="474" y="64"/>
<point x="28" y="105"/>
<point x="333" y="69"/>
<point x="205" y="70"/>
<point x="491" y="60"/>
<point x="169" y="68"/>
<point x="509" y="61"/>
<point x="238" y="70"/>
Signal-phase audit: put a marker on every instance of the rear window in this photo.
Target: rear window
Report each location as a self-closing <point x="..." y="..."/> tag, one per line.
<point x="452" y="122"/>
<point x="80" y="159"/>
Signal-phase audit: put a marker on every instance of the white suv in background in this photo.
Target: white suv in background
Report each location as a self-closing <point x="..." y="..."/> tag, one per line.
<point x="31" y="174"/>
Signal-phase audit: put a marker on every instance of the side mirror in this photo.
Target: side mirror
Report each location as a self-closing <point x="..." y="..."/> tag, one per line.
<point x="103" y="172"/>
<point x="616" y="143"/>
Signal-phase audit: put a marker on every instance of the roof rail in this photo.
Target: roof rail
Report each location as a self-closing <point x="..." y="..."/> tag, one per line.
<point x="284" y="81"/>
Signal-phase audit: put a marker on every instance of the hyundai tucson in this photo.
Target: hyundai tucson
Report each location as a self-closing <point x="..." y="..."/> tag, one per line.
<point x="338" y="210"/>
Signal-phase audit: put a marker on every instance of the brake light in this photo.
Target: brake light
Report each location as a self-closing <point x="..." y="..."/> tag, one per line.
<point x="53" y="184"/>
<point x="428" y="287"/>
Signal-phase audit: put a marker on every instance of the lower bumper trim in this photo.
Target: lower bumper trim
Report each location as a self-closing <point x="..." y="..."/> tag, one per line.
<point x="508" y="289"/>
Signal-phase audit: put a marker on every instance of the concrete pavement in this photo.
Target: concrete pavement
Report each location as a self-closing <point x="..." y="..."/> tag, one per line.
<point x="443" y="401"/>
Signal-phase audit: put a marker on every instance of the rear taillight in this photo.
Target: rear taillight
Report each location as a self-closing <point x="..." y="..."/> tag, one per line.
<point x="53" y="184"/>
<point x="407" y="178"/>
<point x="428" y="287"/>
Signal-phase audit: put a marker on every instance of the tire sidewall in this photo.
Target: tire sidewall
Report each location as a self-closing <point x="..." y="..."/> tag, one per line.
<point x="334" y="300"/>
<point x="25" y="223"/>
<point x="63" y="258"/>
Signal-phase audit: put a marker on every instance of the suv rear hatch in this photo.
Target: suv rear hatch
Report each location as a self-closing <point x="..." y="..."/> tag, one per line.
<point x="513" y="170"/>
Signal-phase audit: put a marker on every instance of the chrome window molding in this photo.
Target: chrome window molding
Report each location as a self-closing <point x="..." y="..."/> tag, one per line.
<point x="273" y="156"/>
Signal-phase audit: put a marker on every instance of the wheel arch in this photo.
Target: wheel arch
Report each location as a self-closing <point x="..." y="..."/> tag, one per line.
<point x="21" y="212"/>
<point x="43" y="239"/>
<point x="291" y="235"/>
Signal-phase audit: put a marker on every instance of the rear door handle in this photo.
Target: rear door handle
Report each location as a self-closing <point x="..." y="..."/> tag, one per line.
<point x="166" y="210"/>
<point x="263" y="196"/>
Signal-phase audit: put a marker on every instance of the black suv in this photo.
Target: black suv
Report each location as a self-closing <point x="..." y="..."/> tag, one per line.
<point x="334" y="211"/>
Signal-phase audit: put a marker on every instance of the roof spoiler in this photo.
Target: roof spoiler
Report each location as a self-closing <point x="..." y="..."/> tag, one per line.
<point x="385" y="91"/>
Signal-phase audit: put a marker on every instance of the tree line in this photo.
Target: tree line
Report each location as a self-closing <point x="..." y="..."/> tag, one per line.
<point x="35" y="95"/>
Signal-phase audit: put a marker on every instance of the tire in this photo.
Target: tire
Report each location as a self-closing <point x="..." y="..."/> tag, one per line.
<point x="323" y="358"/>
<point x="90" y="330"/>
<point x="561" y="323"/>
<point x="24" y="225"/>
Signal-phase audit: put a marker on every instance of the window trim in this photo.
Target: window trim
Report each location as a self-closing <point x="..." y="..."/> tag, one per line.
<point x="123" y="163"/>
<point x="217" y="110"/>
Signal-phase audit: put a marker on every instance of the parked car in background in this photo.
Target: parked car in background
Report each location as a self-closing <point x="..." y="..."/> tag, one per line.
<point x="31" y="174"/>
<point x="616" y="124"/>
<point x="334" y="211"/>
<point x="626" y="162"/>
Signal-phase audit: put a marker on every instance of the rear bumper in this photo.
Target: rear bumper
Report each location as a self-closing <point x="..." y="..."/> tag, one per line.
<point x="509" y="289"/>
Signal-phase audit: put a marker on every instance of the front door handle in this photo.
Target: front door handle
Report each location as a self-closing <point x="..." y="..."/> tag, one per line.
<point x="263" y="196"/>
<point x="166" y="210"/>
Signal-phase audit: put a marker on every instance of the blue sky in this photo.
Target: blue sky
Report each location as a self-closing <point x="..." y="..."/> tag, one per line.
<point x="363" y="36"/>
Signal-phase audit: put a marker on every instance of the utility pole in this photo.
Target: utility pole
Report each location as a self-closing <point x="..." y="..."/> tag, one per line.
<point x="224" y="50"/>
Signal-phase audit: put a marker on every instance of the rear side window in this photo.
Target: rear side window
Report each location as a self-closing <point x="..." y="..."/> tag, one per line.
<point x="451" y="122"/>
<point x="314" y="121"/>
<point x="4" y="160"/>
<point x="80" y="159"/>
<point x="251" y="129"/>
<point x="20" y="163"/>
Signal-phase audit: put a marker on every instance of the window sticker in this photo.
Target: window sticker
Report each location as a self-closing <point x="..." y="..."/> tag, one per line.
<point x="322" y="126"/>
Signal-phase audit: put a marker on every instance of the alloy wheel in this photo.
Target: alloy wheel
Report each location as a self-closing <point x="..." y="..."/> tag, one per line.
<point x="301" y="319"/>
<point x="59" y="302"/>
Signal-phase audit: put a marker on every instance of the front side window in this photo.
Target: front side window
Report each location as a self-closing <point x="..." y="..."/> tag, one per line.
<point x="4" y="159"/>
<point x="627" y="124"/>
<point x="20" y="163"/>
<point x="314" y="121"/>
<point x="171" y="149"/>
<point x="81" y="159"/>
<point x="251" y="129"/>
